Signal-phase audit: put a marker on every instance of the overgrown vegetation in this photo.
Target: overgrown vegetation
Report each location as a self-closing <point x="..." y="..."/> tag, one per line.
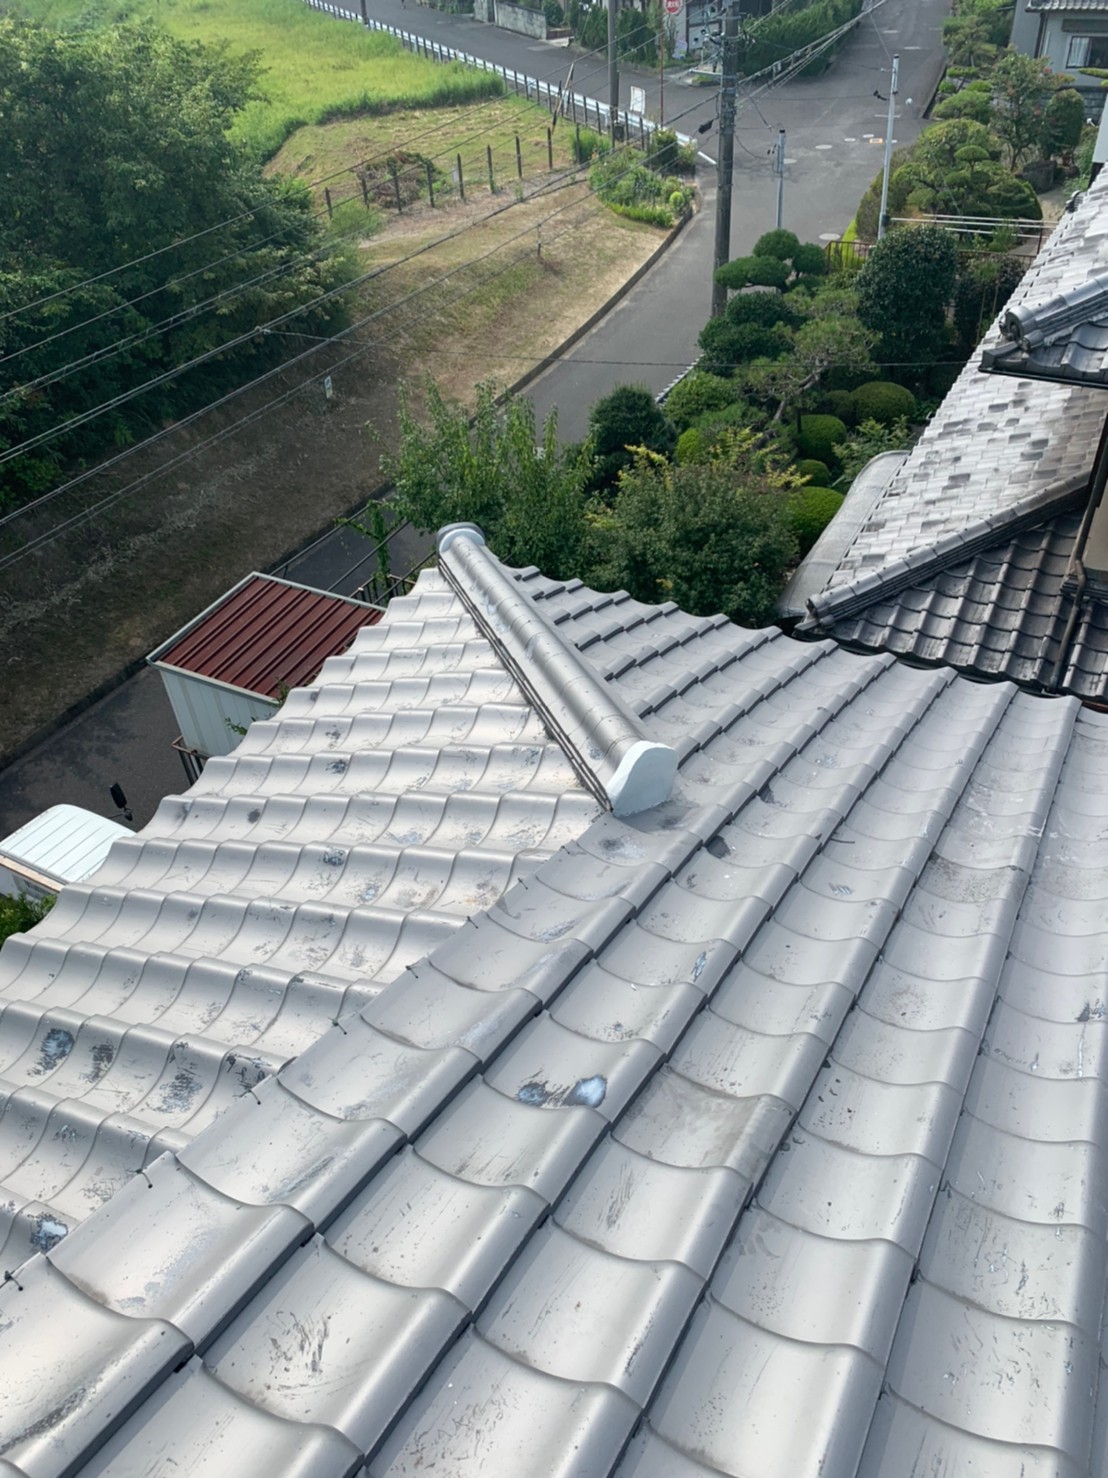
<point x="18" y="913"/>
<point x="314" y="69"/>
<point x="117" y="151"/>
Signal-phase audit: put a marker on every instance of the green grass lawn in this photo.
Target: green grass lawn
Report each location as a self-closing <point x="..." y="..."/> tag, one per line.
<point x="314" y="66"/>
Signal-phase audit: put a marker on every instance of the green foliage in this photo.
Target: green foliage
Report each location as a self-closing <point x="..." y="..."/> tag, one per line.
<point x="691" y="446"/>
<point x="868" y="441"/>
<point x="903" y="290"/>
<point x="696" y="393"/>
<point x="789" y="30"/>
<point x="982" y="290"/>
<point x="20" y="913"/>
<point x="628" y="417"/>
<point x="810" y="511"/>
<point x="753" y="326"/>
<point x="587" y="143"/>
<point x="553" y="13"/>
<point x="1023" y="87"/>
<point x="632" y="190"/>
<point x="813" y="470"/>
<point x="831" y="337"/>
<point x="712" y="536"/>
<point x="753" y="272"/>
<point x="972" y="103"/>
<point x="662" y="153"/>
<point x="526" y="493"/>
<point x="884" y="402"/>
<point x="818" y="437"/>
<point x="839" y="403"/>
<point x="1062" y="124"/>
<point x="780" y="244"/>
<point x="810" y="260"/>
<point x="117" y="148"/>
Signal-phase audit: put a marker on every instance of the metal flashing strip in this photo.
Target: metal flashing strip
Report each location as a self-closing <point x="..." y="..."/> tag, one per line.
<point x="603" y="739"/>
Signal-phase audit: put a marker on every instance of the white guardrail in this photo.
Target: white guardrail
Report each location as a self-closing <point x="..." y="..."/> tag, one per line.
<point x="574" y="105"/>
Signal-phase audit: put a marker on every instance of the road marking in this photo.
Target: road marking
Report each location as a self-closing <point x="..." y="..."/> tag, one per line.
<point x="849" y="141"/>
<point x="829" y="236"/>
<point x="825" y="146"/>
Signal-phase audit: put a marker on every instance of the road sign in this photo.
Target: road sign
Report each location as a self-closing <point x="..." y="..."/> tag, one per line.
<point x="638" y="99"/>
<point x="673" y="7"/>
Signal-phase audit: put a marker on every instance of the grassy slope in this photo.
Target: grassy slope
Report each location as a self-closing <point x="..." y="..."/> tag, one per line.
<point x="314" y="67"/>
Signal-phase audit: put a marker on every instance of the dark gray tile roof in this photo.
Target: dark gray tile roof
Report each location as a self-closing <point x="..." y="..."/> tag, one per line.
<point x="761" y="1132"/>
<point x="1002" y="613"/>
<point x="953" y="560"/>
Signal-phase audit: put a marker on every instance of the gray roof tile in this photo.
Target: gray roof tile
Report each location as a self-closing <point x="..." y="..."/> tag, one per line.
<point x="642" y="1158"/>
<point x="960" y="555"/>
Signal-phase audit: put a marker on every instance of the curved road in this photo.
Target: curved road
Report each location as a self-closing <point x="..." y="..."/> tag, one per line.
<point x="835" y="129"/>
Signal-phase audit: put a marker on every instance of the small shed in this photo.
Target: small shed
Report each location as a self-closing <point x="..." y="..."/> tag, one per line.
<point x="235" y="662"/>
<point x="65" y="844"/>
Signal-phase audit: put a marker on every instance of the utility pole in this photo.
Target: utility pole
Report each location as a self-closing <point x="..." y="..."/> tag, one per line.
<point x="779" y="170"/>
<point x="889" y="126"/>
<point x="728" y="87"/>
<point x="613" y="74"/>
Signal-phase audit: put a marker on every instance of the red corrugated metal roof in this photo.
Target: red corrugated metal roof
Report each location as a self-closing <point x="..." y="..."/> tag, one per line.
<point x="268" y="636"/>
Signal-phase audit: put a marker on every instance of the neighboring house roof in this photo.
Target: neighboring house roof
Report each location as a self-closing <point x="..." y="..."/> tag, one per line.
<point x="266" y="635"/>
<point x="961" y="558"/>
<point x="760" y="1132"/>
<point x="1099" y="6"/>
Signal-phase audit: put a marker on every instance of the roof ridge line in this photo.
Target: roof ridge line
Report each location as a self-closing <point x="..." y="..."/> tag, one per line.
<point x="865" y="590"/>
<point x="603" y="739"/>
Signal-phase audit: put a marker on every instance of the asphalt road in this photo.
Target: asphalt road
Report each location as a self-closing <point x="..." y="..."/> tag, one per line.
<point x="834" y="137"/>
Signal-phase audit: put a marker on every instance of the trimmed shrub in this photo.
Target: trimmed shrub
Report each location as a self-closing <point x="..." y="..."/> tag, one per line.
<point x="817" y="473"/>
<point x="884" y="402"/>
<point x="753" y="272"/>
<point x="690" y="447"/>
<point x="818" y="437"/>
<point x="810" y="511"/>
<point x="781" y="244"/>
<point x="696" y="394"/>
<point x="810" y="260"/>
<point x="764" y="309"/>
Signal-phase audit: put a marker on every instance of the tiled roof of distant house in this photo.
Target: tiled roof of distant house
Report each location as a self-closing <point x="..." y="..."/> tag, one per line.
<point x="965" y="554"/>
<point x="757" y="1132"/>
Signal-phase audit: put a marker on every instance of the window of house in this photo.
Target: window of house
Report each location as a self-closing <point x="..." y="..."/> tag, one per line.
<point x="1087" y="51"/>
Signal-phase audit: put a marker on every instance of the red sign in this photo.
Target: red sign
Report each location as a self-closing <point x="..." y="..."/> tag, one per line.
<point x="673" y="7"/>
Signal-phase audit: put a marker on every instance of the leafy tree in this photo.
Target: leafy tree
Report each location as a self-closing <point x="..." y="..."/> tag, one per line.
<point x="833" y="335"/>
<point x="712" y="536"/>
<point x="1062" y="124"/>
<point x="780" y="244"/>
<point x="116" y="150"/>
<point x="752" y="326"/>
<point x="526" y="493"/>
<point x="753" y="271"/>
<point x="903" y="289"/>
<point x="628" y="417"/>
<point x="1023" y="87"/>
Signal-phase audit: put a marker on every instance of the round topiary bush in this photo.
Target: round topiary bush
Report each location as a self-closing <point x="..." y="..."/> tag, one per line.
<point x="780" y="244"/>
<point x="884" y="402"/>
<point x="818" y="436"/>
<point x="810" y="511"/>
<point x="695" y="394"/>
<point x="817" y="473"/>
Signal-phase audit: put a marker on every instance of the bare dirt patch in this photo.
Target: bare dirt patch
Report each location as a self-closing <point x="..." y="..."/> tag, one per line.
<point x="242" y="486"/>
